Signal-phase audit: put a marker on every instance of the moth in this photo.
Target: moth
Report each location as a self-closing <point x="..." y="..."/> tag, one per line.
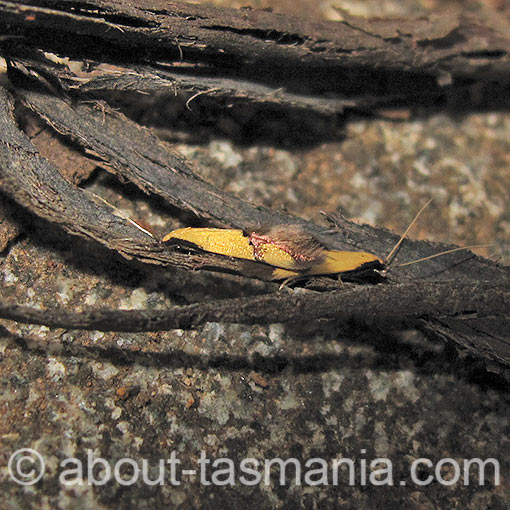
<point x="292" y="252"/>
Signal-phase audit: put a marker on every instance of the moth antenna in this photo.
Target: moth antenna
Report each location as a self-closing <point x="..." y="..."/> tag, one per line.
<point x="445" y="253"/>
<point x="120" y="213"/>
<point x="393" y="252"/>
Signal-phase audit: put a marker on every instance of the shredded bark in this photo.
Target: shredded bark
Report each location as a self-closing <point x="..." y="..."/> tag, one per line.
<point x="34" y="183"/>
<point x="461" y="45"/>
<point x="262" y="57"/>
<point x="72" y="164"/>
<point x="460" y="297"/>
<point x="412" y="305"/>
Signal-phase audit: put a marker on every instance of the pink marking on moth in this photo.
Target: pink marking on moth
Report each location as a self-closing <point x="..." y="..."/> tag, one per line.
<point x="259" y="240"/>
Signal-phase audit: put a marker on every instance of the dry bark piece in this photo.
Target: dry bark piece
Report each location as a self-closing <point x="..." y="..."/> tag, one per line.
<point x="230" y="90"/>
<point x="34" y="183"/>
<point x="465" y="44"/>
<point x="284" y="49"/>
<point x="468" y="303"/>
<point x="72" y="164"/>
<point x="473" y="314"/>
<point x="450" y="310"/>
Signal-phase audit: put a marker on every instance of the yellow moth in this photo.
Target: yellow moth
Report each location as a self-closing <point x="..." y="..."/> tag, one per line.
<point x="287" y="248"/>
<point x="291" y="251"/>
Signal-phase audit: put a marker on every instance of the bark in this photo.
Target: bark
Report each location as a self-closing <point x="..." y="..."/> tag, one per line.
<point x="461" y="45"/>
<point x="460" y="297"/>
<point x="257" y="56"/>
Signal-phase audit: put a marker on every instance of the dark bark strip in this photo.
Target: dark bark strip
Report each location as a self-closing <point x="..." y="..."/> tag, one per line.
<point x="460" y="45"/>
<point x="34" y="183"/>
<point x="230" y="90"/>
<point x="286" y="62"/>
<point x="439" y="309"/>
<point x="382" y="306"/>
<point x="134" y="153"/>
<point x="460" y="297"/>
